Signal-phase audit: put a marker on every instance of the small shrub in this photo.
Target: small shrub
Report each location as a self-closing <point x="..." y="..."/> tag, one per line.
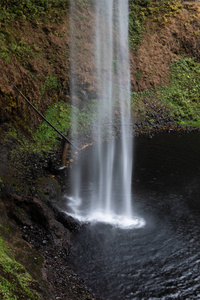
<point x="51" y="84"/>
<point x="30" y="9"/>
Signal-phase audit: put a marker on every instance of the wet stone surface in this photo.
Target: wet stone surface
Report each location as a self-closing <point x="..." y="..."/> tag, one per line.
<point x="40" y="232"/>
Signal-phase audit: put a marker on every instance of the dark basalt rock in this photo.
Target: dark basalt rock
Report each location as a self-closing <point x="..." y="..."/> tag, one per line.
<point x="68" y="222"/>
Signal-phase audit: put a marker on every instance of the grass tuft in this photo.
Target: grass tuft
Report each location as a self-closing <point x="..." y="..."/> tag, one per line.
<point x="15" y="282"/>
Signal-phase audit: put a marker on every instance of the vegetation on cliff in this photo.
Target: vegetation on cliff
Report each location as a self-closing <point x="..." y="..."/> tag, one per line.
<point x="34" y="55"/>
<point x="34" y="52"/>
<point x="15" y="281"/>
<point x="165" y="66"/>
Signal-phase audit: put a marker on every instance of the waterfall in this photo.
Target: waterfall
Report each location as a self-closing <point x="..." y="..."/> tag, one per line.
<point x="101" y="191"/>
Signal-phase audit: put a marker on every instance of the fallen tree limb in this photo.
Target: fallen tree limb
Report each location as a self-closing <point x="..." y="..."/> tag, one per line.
<point x="43" y="117"/>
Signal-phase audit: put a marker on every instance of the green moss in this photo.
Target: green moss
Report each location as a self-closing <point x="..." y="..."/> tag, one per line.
<point x="4" y="51"/>
<point x="181" y="96"/>
<point x="35" y="12"/>
<point x="11" y="46"/>
<point x="51" y="84"/>
<point x="163" y="11"/>
<point x="183" y="93"/>
<point x="20" y="49"/>
<point x="59" y="115"/>
<point x="15" y="282"/>
<point x="6" y="229"/>
<point x="138" y="74"/>
<point x="137" y="17"/>
<point x="139" y="10"/>
<point x="31" y="9"/>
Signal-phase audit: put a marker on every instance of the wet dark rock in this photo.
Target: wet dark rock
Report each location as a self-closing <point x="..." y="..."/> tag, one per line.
<point x="67" y="221"/>
<point x="29" y="194"/>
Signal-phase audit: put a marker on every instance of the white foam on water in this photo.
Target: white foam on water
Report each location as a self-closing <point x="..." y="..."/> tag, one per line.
<point x="99" y="216"/>
<point x="118" y="221"/>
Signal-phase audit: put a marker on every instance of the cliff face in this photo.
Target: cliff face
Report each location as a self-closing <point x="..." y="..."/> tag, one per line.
<point x="168" y="36"/>
<point x="37" y="62"/>
<point x="35" y="57"/>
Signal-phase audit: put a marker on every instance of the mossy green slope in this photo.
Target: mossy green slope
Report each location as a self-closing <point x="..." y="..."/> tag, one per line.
<point x="180" y="96"/>
<point x="15" y="282"/>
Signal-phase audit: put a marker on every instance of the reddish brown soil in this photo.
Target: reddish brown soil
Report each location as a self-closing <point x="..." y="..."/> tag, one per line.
<point x="49" y="54"/>
<point x="162" y="42"/>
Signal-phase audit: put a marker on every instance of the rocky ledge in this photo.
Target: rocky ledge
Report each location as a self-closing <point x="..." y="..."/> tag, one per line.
<point x="39" y="231"/>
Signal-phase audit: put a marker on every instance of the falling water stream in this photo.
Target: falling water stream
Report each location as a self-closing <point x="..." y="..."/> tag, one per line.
<point x="119" y="254"/>
<point x="110" y="164"/>
<point x="160" y="260"/>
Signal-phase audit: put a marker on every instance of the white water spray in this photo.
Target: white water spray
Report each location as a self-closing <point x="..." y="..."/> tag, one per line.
<point x="105" y="196"/>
